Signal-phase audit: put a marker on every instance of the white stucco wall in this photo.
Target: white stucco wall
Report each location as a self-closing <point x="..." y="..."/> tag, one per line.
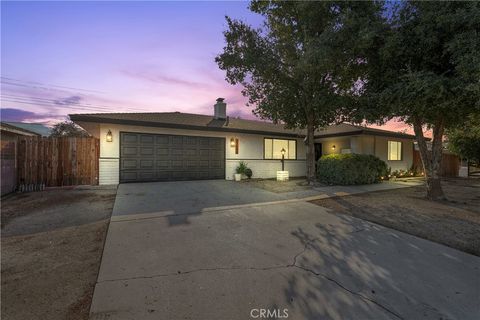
<point x="369" y="144"/>
<point x="250" y="150"/>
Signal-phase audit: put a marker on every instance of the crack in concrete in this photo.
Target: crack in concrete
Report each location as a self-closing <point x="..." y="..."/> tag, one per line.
<point x="338" y="284"/>
<point x="292" y="265"/>
<point x="178" y="273"/>
<point x="357" y="230"/>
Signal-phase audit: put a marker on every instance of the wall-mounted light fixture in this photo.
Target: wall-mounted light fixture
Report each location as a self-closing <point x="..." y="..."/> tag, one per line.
<point x="109" y="136"/>
<point x="234" y="144"/>
<point x="333" y="147"/>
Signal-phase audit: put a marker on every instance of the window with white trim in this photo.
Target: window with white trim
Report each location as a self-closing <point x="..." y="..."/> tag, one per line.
<point x="273" y="148"/>
<point x="394" y="150"/>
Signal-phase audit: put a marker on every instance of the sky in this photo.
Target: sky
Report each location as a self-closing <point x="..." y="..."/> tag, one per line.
<point x="65" y="57"/>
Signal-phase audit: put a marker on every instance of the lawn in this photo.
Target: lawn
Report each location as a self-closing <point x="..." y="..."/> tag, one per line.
<point x="455" y="223"/>
<point x="52" y="244"/>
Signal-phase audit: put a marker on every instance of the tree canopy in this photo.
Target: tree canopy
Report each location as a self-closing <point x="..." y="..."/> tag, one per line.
<point x="464" y="140"/>
<point x="303" y="67"/>
<point x="67" y="129"/>
<point x="425" y="71"/>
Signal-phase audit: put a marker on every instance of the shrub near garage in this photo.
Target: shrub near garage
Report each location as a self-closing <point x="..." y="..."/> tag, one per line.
<point x="349" y="169"/>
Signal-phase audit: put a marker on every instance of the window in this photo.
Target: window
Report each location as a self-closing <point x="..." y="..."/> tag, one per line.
<point x="273" y="148"/>
<point x="394" y="150"/>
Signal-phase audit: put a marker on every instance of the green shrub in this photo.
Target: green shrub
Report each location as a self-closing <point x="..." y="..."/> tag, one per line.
<point x="248" y="173"/>
<point x="242" y="166"/>
<point x="348" y="169"/>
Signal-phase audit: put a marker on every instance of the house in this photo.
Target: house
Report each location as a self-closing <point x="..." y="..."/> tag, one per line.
<point x="10" y="132"/>
<point x="36" y="128"/>
<point x="181" y="146"/>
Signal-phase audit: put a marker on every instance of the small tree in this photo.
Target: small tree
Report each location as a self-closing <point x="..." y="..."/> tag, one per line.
<point x="465" y="140"/>
<point x="426" y="72"/>
<point x="301" y="68"/>
<point x="67" y="129"/>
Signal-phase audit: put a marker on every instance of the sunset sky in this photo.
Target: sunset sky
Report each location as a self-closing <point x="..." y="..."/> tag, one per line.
<point x="83" y="57"/>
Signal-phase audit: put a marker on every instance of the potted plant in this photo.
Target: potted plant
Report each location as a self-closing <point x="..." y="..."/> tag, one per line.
<point x="248" y="172"/>
<point x="240" y="170"/>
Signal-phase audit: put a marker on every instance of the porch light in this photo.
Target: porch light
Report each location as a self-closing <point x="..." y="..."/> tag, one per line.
<point x="232" y="142"/>
<point x="333" y="147"/>
<point x="109" y="136"/>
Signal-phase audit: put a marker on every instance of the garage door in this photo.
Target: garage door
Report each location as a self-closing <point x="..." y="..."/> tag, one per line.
<point x="158" y="157"/>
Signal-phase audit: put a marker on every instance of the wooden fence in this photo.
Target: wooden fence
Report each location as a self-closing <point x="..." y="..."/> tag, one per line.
<point x="49" y="162"/>
<point x="450" y="164"/>
<point x="7" y="157"/>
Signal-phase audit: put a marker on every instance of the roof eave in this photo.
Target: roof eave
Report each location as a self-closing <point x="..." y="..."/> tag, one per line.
<point x="366" y="132"/>
<point x="17" y="130"/>
<point x="78" y="117"/>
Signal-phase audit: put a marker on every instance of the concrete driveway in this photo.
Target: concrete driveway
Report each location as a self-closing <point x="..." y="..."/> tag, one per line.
<point x="207" y="250"/>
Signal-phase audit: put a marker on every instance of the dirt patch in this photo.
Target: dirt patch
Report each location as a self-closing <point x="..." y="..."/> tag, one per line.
<point x="272" y="185"/>
<point x="65" y="200"/>
<point x="455" y="223"/>
<point x="51" y="274"/>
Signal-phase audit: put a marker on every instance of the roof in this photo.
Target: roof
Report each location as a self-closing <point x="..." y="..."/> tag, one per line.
<point x="347" y="129"/>
<point x="36" y="128"/>
<point x="16" y="130"/>
<point x="203" y="122"/>
<point x="189" y="121"/>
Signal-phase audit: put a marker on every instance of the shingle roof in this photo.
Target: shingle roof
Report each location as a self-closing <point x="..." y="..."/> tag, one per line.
<point x="188" y="121"/>
<point x="9" y="128"/>
<point x="36" y="128"/>
<point x="345" y="129"/>
<point x="204" y="122"/>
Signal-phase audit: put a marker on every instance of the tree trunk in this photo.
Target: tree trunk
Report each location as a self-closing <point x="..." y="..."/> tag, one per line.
<point x="311" y="174"/>
<point x="431" y="160"/>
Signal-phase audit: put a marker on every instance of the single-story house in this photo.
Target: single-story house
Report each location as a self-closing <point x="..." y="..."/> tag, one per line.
<point x="172" y="146"/>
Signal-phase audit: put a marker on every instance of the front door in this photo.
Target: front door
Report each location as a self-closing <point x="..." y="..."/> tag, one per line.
<point x="318" y="151"/>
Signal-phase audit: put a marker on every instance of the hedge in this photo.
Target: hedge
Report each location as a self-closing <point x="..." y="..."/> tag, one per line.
<point x="348" y="169"/>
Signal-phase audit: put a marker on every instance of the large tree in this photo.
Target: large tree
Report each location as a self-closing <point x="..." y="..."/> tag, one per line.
<point x="302" y="67"/>
<point x="426" y="72"/>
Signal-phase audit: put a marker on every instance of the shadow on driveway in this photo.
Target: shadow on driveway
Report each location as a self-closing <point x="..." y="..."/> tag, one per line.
<point x="404" y="276"/>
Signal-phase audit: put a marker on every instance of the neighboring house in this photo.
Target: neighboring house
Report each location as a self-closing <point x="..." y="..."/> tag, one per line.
<point x="180" y="146"/>
<point x="36" y="128"/>
<point x="9" y="137"/>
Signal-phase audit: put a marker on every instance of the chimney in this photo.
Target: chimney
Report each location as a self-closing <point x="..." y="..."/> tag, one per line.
<point x="220" y="109"/>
